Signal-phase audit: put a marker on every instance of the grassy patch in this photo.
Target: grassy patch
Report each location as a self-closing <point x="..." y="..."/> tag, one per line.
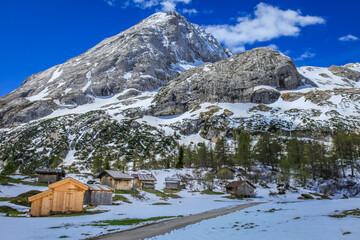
<point x="161" y="203"/>
<point x="233" y="197"/>
<point x="21" y="199"/>
<point x="10" y="212"/>
<point x="122" y="198"/>
<point x="5" y="180"/>
<point x="117" y="191"/>
<point x="162" y="195"/>
<point x="128" y="221"/>
<point x="273" y="210"/>
<point x="171" y="191"/>
<point x="64" y="236"/>
<point x="209" y="192"/>
<point x="74" y="214"/>
<point x="351" y="212"/>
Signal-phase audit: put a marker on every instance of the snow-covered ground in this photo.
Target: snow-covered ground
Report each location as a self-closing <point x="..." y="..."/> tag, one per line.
<point x="278" y="220"/>
<point x="311" y="216"/>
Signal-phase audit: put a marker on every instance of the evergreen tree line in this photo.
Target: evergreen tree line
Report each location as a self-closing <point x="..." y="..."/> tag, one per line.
<point x="305" y="159"/>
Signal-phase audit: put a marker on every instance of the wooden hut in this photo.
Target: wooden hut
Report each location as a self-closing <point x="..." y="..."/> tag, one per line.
<point x="144" y="181"/>
<point x="98" y="195"/>
<point x="49" y="175"/>
<point x="116" y="179"/>
<point x="63" y="196"/>
<point x="225" y="173"/>
<point x="241" y="189"/>
<point x="172" y="183"/>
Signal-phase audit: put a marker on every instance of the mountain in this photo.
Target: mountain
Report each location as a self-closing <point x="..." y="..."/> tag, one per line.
<point x="143" y="58"/>
<point x="113" y="107"/>
<point x="253" y="76"/>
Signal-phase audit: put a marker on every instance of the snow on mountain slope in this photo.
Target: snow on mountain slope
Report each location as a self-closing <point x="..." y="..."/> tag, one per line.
<point x="123" y="122"/>
<point x="144" y="57"/>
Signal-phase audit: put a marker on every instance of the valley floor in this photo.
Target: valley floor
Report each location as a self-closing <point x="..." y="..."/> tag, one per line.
<point x="281" y="217"/>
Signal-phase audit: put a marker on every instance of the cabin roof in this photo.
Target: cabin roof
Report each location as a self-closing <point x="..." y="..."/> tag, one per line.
<point x="69" y="179"/>
<point x="236" y="184"/>
<point x="144" y="177"/>
<point x="117" y="175"/>
<point x="97" y="187"/>
<point x="40" y="195"/>
<point x="172" y="180"/>
<point x="49" y="171"/>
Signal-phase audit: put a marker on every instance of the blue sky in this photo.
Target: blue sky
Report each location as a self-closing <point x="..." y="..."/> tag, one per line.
<point x="36" y="35"/>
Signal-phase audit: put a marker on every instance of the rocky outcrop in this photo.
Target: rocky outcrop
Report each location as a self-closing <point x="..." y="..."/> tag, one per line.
<point x="345" y="72"/>
<point x="144" y="57"/>
<point x="252" y="76"/>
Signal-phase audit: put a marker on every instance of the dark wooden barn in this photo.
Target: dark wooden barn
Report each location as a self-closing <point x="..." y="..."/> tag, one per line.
<point x="49" y="175"/>
<point x="98" y="195"/>
<point x="116" y="179"/>
<point x="144" y="180"/>
<point x="225" y="173"/>
<point x="172" y="183"/>
<point x="241" y="189"/>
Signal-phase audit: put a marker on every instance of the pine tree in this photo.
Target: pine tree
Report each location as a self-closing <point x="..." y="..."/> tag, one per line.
<point x="243" y="151"/>
<point x="221" y="153"/>
<point x="180" y="158"/>
<point x="97" y="166"/>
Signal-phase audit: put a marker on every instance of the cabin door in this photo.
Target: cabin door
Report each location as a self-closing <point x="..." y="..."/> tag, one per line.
<point x="69" y="201"/>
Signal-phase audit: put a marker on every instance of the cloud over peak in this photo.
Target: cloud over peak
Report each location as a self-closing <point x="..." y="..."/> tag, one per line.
<point x="268" y="22"/>
<point x="348" y="38"/>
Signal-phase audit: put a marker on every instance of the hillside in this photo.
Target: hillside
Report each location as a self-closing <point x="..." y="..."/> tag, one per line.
<point x="108" y="102"/>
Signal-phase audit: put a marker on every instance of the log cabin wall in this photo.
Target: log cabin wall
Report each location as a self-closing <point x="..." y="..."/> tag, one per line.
<point x="68" y="198"/>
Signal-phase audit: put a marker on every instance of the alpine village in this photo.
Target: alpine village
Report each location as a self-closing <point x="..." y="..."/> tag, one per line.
<point x="160" y="132"/>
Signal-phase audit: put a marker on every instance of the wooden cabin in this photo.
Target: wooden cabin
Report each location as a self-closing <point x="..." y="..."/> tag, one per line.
<point x="116" y="179"/>
<point x="49" y="175"/>
<point x="146" y="181"/>
<point x="63" y="196"/>
<point x="241" y="189"/>
<point x="172" y="183"/>
<point x="225" y="173"/>
<point x="98" y="195"/>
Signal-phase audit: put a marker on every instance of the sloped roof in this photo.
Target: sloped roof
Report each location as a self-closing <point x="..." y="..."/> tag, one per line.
<point x="117" y="175"/>
<point x="49" y="171"/>
<point x="40" y="195"/>
<point x="144" y="177"/>
<point x="97" y="187"/>
<point x="66" y="180"/>
<point x="236" y="184"/>
<point x="172" y="180"/>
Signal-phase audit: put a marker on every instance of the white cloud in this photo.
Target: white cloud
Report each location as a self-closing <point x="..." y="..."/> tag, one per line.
<point x="164" y="5"/>
<point x="268" y="22"/>
<point x="189" y="11"/>
<point x="111" y="3"/>
<point x="273" y="46"/>
<point x="348" y="38"/>
<point x="305" y="55"/>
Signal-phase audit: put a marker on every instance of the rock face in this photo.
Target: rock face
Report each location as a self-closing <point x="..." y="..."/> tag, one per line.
<point x="346" y="72"/>
<point x="253" y="76"/>
<point x="144" y="57"/>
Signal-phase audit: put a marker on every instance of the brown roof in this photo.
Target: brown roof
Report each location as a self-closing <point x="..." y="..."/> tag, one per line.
<point x="66" y="180"/>
<point x="144" y="177"/>
<point x="40" y="195"/>
<point x="236" y="184"/>
<point x="117" y="175"/>
<point x="102" y="188"/>
<point x="50" y="171"/>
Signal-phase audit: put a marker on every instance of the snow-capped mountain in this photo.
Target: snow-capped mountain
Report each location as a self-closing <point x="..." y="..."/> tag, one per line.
<point x="144" y="58"/>
<point x="107" y="103"/>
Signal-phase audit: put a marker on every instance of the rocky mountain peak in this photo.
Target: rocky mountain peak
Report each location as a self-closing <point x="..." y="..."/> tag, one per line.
<point x="144" y="57"/>
<point x="252" y="76"/>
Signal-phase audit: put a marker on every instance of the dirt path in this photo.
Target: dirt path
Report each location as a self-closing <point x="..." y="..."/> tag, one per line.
<point x="160" y="228"/>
